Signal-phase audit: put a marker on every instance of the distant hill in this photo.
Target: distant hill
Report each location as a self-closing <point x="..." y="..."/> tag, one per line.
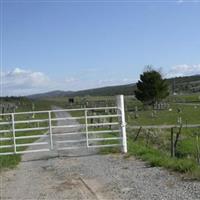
<point x="103" y="91"/>
<point x="187" y="84"/>
<point x="55" y="93"/>
<point x="107" y="91"/>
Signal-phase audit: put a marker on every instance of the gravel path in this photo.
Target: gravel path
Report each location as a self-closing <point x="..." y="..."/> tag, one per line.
<point x="86" y="175"/>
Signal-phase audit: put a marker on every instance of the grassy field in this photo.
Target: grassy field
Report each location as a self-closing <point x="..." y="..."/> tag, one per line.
<point x="190" y="114"/>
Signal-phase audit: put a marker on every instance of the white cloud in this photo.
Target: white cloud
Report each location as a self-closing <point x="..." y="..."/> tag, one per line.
<point x="183" y="70"/>
<point x="70" y="80"/>
<point x="111" y="82"/>
<point x="20" y="82"/>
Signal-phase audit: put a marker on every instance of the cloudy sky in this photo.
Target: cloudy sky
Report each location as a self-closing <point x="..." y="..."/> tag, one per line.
<point x="74" y="45"/>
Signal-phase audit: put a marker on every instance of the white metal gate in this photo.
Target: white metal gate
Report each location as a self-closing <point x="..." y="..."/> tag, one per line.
<point x="51" y="130"/>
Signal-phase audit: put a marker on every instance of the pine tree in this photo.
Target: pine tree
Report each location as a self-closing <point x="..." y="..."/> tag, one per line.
<point x="151" y="87"/>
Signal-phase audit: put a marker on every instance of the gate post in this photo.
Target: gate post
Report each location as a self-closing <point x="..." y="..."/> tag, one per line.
<point x="121" y="111"/>
<point x="50" y="131"/>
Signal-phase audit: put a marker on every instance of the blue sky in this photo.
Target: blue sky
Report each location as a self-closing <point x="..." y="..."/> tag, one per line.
<point x="73" y="45"/>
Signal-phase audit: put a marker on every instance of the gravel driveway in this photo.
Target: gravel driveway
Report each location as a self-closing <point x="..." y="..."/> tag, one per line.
<point x="80" y="174"/>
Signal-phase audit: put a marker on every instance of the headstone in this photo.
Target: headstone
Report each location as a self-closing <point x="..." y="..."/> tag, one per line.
<point x="179" y="120"/>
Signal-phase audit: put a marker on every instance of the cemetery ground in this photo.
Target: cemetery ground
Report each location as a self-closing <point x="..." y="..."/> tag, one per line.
<point x="124" y="175"/>
<point x="154" y="144"/>
<point x="79" y="175"/>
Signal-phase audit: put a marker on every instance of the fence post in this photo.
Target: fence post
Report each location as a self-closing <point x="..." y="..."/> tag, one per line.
<point x="86" y="128"/>
<point x="13" y="131"/>
<point x="172" y="143"/>
<point x="50" y="131"/>
<point x="120" y="106"/>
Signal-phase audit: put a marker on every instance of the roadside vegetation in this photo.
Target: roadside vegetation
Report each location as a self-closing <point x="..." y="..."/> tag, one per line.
<point x="157" y="157"/>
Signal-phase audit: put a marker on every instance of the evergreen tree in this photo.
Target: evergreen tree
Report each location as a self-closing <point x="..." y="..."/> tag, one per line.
<point x="151" y="87"/>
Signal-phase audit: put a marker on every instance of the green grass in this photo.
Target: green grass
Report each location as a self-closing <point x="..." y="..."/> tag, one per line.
<point x="186" y="98"/>
<point x="161" y="139"/>
<point x="187" y="147"/>
<point x="189" y="114"/>
<point x="9" y="161"/>
<point x="158" y="158"/>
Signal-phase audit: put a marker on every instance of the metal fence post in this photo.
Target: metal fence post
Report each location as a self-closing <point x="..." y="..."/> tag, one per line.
<point x="50" y="131"/>
<point x="13" y="131"/>
<point x="120" y="105"/>
<point x="86" y="128"/>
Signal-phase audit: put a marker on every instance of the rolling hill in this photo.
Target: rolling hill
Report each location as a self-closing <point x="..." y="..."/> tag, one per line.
<point x="187" y="84"/>
<point x="103" y="91"/>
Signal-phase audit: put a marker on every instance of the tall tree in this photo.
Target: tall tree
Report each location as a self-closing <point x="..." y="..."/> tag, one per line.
<point x="151" y="87"/>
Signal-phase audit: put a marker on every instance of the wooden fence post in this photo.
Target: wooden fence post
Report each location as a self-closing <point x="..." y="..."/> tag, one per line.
<point x="177" y="139"/>
<point x="172" y="143"/>
<point x="136" y="137"/>
<point x="198" y="151"/>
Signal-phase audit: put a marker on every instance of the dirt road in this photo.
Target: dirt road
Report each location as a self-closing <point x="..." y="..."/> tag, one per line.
<point x="86" y="175"/>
